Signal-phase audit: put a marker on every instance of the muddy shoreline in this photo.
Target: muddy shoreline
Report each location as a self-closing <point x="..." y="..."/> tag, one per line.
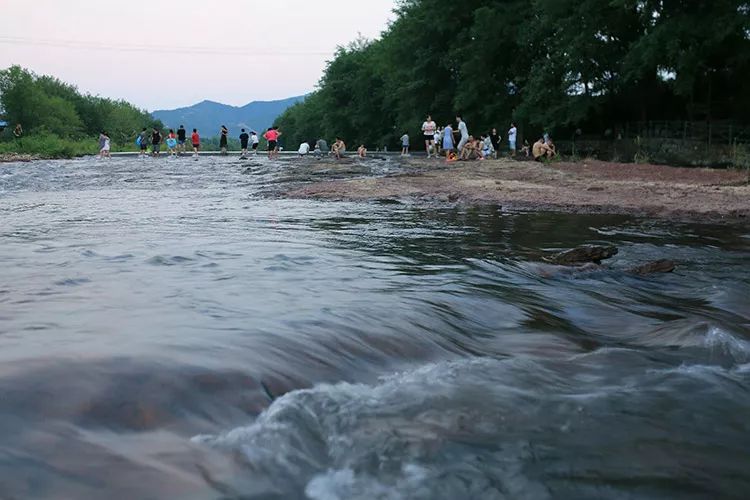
<point x="590" y="187"/>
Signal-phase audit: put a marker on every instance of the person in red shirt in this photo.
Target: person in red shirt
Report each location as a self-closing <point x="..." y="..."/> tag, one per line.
<point x="272" y="136"/>
<point x="196" y="139"/>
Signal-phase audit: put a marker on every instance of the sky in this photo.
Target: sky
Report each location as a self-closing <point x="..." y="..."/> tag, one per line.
<point x="167" y="54"/>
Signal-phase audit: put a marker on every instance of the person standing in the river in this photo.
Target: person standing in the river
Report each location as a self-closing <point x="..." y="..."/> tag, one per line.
<point x="223" y="139"/>
<point x="428" y="129"/>
<point x="143" y="142"/>
<point x="448" y="143"/>
<point x="196" y="141"/>
<point x="255" y="141"/>
<point x="181" y="139"/>
<point x="102" y="136"/>
<point x="405" y="144"/>
<point x="172" y="143"/>
<point x="104" y="145"/>
<point x="156" y="142"/>
<point x="244" y="139"/>
<point x="272" y="136"/>
<point x="464" y="131"/>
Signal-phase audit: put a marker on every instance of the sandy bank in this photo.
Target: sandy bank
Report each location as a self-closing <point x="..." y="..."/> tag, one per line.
<point x="589" y="187"/>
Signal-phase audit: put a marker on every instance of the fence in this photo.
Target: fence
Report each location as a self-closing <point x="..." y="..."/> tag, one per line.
<point x="710" y="133"/>
<point x="716" y="144"/>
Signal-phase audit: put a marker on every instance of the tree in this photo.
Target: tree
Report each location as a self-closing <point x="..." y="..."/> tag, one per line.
<point x="44" y="104"/>
<point x="551" y="64"/>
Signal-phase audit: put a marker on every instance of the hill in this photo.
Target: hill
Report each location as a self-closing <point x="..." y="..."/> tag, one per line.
<point x="209" y="116"/>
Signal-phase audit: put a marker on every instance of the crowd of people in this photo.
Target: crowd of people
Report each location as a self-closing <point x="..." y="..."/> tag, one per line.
<point x="177" y="142"/>
<point x="459" y="145"/>
<point x="453" y="144"/>
<point x="150" y="142"/>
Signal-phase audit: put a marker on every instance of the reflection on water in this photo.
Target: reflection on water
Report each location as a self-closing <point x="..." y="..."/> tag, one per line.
<point x="170" y="329"/>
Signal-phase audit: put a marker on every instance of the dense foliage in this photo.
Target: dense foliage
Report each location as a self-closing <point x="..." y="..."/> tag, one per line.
<point x="56" y="117"/>
<point x="556" y="65"/>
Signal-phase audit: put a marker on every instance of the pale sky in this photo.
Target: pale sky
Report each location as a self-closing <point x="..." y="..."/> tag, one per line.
<point x="166" y="54"/>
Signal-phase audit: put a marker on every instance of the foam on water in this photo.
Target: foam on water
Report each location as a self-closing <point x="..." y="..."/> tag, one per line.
<point x="487" y="429"/>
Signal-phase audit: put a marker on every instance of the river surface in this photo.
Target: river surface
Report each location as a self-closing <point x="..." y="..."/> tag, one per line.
<point x="172" y="329"/>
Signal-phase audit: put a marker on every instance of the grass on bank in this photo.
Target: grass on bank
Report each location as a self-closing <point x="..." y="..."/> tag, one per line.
<point x="49" y="146"/>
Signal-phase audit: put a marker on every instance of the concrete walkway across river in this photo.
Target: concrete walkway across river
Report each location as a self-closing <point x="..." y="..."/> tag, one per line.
<point x="353" y="154"/>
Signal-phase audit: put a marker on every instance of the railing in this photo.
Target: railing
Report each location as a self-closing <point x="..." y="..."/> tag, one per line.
<point x="710" y="133"/>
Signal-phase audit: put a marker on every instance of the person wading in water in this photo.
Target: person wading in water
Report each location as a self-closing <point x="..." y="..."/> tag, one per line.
<point x="223" y="140"/>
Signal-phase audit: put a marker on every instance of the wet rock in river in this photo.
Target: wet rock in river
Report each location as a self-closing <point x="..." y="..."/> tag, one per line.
<point x="586" y="253"/>
<point x="658" y="266"/>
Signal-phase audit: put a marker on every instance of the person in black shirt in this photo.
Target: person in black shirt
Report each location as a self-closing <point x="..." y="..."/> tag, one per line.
<point x="495" y="139"/>
<point x="244" y="139"/>
<point x="156" y="141"/>
<point x="223" y="140"/>
<point x="181" y="139"/>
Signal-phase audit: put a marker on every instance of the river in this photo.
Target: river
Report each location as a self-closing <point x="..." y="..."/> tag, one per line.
<point x="174" y="329"/>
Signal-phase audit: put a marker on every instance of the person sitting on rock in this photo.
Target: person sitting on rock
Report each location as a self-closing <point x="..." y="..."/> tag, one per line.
<point x="479" y="149"/>
<point x="362" y="151"/>
<point x="551" y="146"/>
<point x="540" y="150"/>
<point x="338" y="149"/>
<point x="468" y="150"/>
<point x="488" y="149"/>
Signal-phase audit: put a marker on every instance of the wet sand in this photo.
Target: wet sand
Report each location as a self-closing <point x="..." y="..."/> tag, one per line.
<point x="586" y="187"/>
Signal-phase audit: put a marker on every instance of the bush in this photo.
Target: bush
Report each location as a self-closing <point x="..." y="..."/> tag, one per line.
<point x="49" y="145"/>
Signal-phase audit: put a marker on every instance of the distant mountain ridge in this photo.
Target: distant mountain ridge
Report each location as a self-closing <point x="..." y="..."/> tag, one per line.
<point x="209" y="116"/>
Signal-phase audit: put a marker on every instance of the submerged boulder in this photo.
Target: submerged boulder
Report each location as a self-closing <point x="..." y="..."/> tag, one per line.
<point x="583" y="254"/>
<point x="657" y="266"/>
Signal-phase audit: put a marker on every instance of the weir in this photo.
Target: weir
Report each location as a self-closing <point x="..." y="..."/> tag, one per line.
<point x="374" y="154"/>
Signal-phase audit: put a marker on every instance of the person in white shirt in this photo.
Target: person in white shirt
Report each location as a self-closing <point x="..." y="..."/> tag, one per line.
<point x="488" y="149"/>
<point x="429" y="128"/>
<point x="254" y="141"/>
<point x="105" y="145"/>
<point x="304" y="149"/>
<point x="464" y="131"/>
<point x="512" y="135"/>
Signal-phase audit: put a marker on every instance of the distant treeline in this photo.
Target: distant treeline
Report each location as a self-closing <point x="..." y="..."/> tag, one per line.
<point x="56" y="115"/>
<point x="556" y="65"/>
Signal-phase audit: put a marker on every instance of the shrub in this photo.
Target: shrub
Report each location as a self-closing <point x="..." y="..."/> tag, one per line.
<point x="49" y="145"/>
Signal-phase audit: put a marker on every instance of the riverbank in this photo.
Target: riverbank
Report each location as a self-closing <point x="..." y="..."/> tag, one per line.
<point x="17" y="157"/>
<point x="585" y="187"/>
<point x="45" y="146"/>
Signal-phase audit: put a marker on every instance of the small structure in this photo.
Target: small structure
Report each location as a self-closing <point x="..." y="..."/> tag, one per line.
<point x="3" y="124"/>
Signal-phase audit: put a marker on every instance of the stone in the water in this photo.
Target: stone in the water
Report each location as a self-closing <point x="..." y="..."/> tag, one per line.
<point x="658" y="266"/>
<point x="586" y="253"/>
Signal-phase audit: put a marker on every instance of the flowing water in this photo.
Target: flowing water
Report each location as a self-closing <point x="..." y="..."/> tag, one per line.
<point x="173" y="329"/>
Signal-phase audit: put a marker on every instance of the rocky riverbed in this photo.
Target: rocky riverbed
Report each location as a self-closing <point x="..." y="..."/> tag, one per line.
<point x="585" y="187"/>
